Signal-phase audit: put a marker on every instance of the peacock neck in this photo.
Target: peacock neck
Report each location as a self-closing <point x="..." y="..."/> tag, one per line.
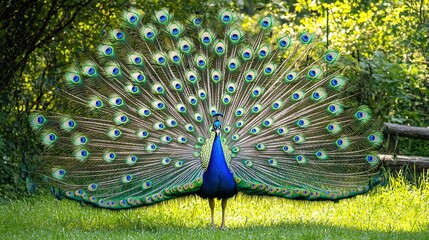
<point x="217" y="156"/>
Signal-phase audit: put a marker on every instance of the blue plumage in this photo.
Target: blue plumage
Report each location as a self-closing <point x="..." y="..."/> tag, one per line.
<point x="142" y="129"/>
<point x="218" y="181"/>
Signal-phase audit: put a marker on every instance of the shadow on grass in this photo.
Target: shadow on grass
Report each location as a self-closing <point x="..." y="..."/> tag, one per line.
<point x="41" y="217"/>
<point x="172" y="230"/>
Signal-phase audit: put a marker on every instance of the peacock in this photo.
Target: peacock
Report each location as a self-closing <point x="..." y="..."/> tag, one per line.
<point x="163" y="109"/>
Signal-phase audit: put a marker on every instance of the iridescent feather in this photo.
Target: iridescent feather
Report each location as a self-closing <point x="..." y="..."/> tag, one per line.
<point x="144" y="129"/>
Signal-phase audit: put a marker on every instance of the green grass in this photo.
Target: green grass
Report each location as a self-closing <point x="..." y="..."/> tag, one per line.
<point x="398" y="211"/>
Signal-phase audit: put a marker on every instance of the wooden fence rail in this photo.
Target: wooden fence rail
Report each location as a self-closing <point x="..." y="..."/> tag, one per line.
<point x="406" y="131"/>
<point x="413" y="162"/>
<point x="394" y="131"/>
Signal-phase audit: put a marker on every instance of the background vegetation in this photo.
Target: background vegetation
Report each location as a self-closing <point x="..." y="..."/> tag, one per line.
<point x="39" y="39"/>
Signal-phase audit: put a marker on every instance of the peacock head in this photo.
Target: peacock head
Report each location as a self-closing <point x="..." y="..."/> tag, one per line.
<point x="217" y="125"/>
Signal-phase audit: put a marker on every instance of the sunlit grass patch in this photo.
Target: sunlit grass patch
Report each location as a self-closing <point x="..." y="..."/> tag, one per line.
<point x="399" y="210"/>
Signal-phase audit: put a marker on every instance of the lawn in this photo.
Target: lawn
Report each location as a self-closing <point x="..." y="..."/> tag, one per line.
<point x="397" y="211"/>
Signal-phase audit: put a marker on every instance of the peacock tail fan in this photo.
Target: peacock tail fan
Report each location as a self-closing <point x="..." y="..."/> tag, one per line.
<point x="140" y="130"/>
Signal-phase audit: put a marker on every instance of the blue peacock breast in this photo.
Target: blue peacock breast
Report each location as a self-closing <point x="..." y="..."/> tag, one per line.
<point x="218" y="181"/>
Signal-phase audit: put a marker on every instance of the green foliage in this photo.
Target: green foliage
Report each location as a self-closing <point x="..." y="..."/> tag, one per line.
<point x="398" y="211"/>
<point x="33" y="54"/>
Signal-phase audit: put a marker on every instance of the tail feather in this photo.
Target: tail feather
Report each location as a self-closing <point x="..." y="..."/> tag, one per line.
<point x="142" y="107"/>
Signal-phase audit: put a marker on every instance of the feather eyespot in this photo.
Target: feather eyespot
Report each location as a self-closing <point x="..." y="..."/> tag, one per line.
<point x="226" y="17"/>
<point x="89" y="70"/>
<point x="162" y="16"/>
<point x="49" y="138"/>
<point x="298" y="95"/>
<point x="256" y="108"/>
<point x="40" y="119"/>
<point x="74" y="78"/>
<point x="372" y="159"/>
<point x="266" y="22"/>
<point x="282" y="131"/>
<point x="114" y="133"/>
<point x="239" y="124"/>
<point x="118" y="34"/>
<point x="301" y="159"/>
<point x="59" y="173"/>
<point x="331" y="56"/>
<point x="109" y="157"/>
<point x="132" y="19"/>
<point x="137" y="60"/>
<point x="261" y="147"/>
<point x="314" y="73"/>
<point x="322" y="155"/>
<point x="178" y="164"/>
<point x="272" y="162"/>
<point x="284" y="42"/>
<point x="92" y="187"/>
<point x="306" y="38"/>
<point x="107" y="50"/>
<point x="299" y="139"/>
<point x="287" y="149"/>
<point x="127" y="178"/>
<point x="342" y="143"/>
<point x="202" y="94"/>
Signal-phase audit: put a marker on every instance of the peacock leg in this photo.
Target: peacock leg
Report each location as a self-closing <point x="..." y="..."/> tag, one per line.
<point x="224" y="201"/>
<point x="212" y="205"/>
